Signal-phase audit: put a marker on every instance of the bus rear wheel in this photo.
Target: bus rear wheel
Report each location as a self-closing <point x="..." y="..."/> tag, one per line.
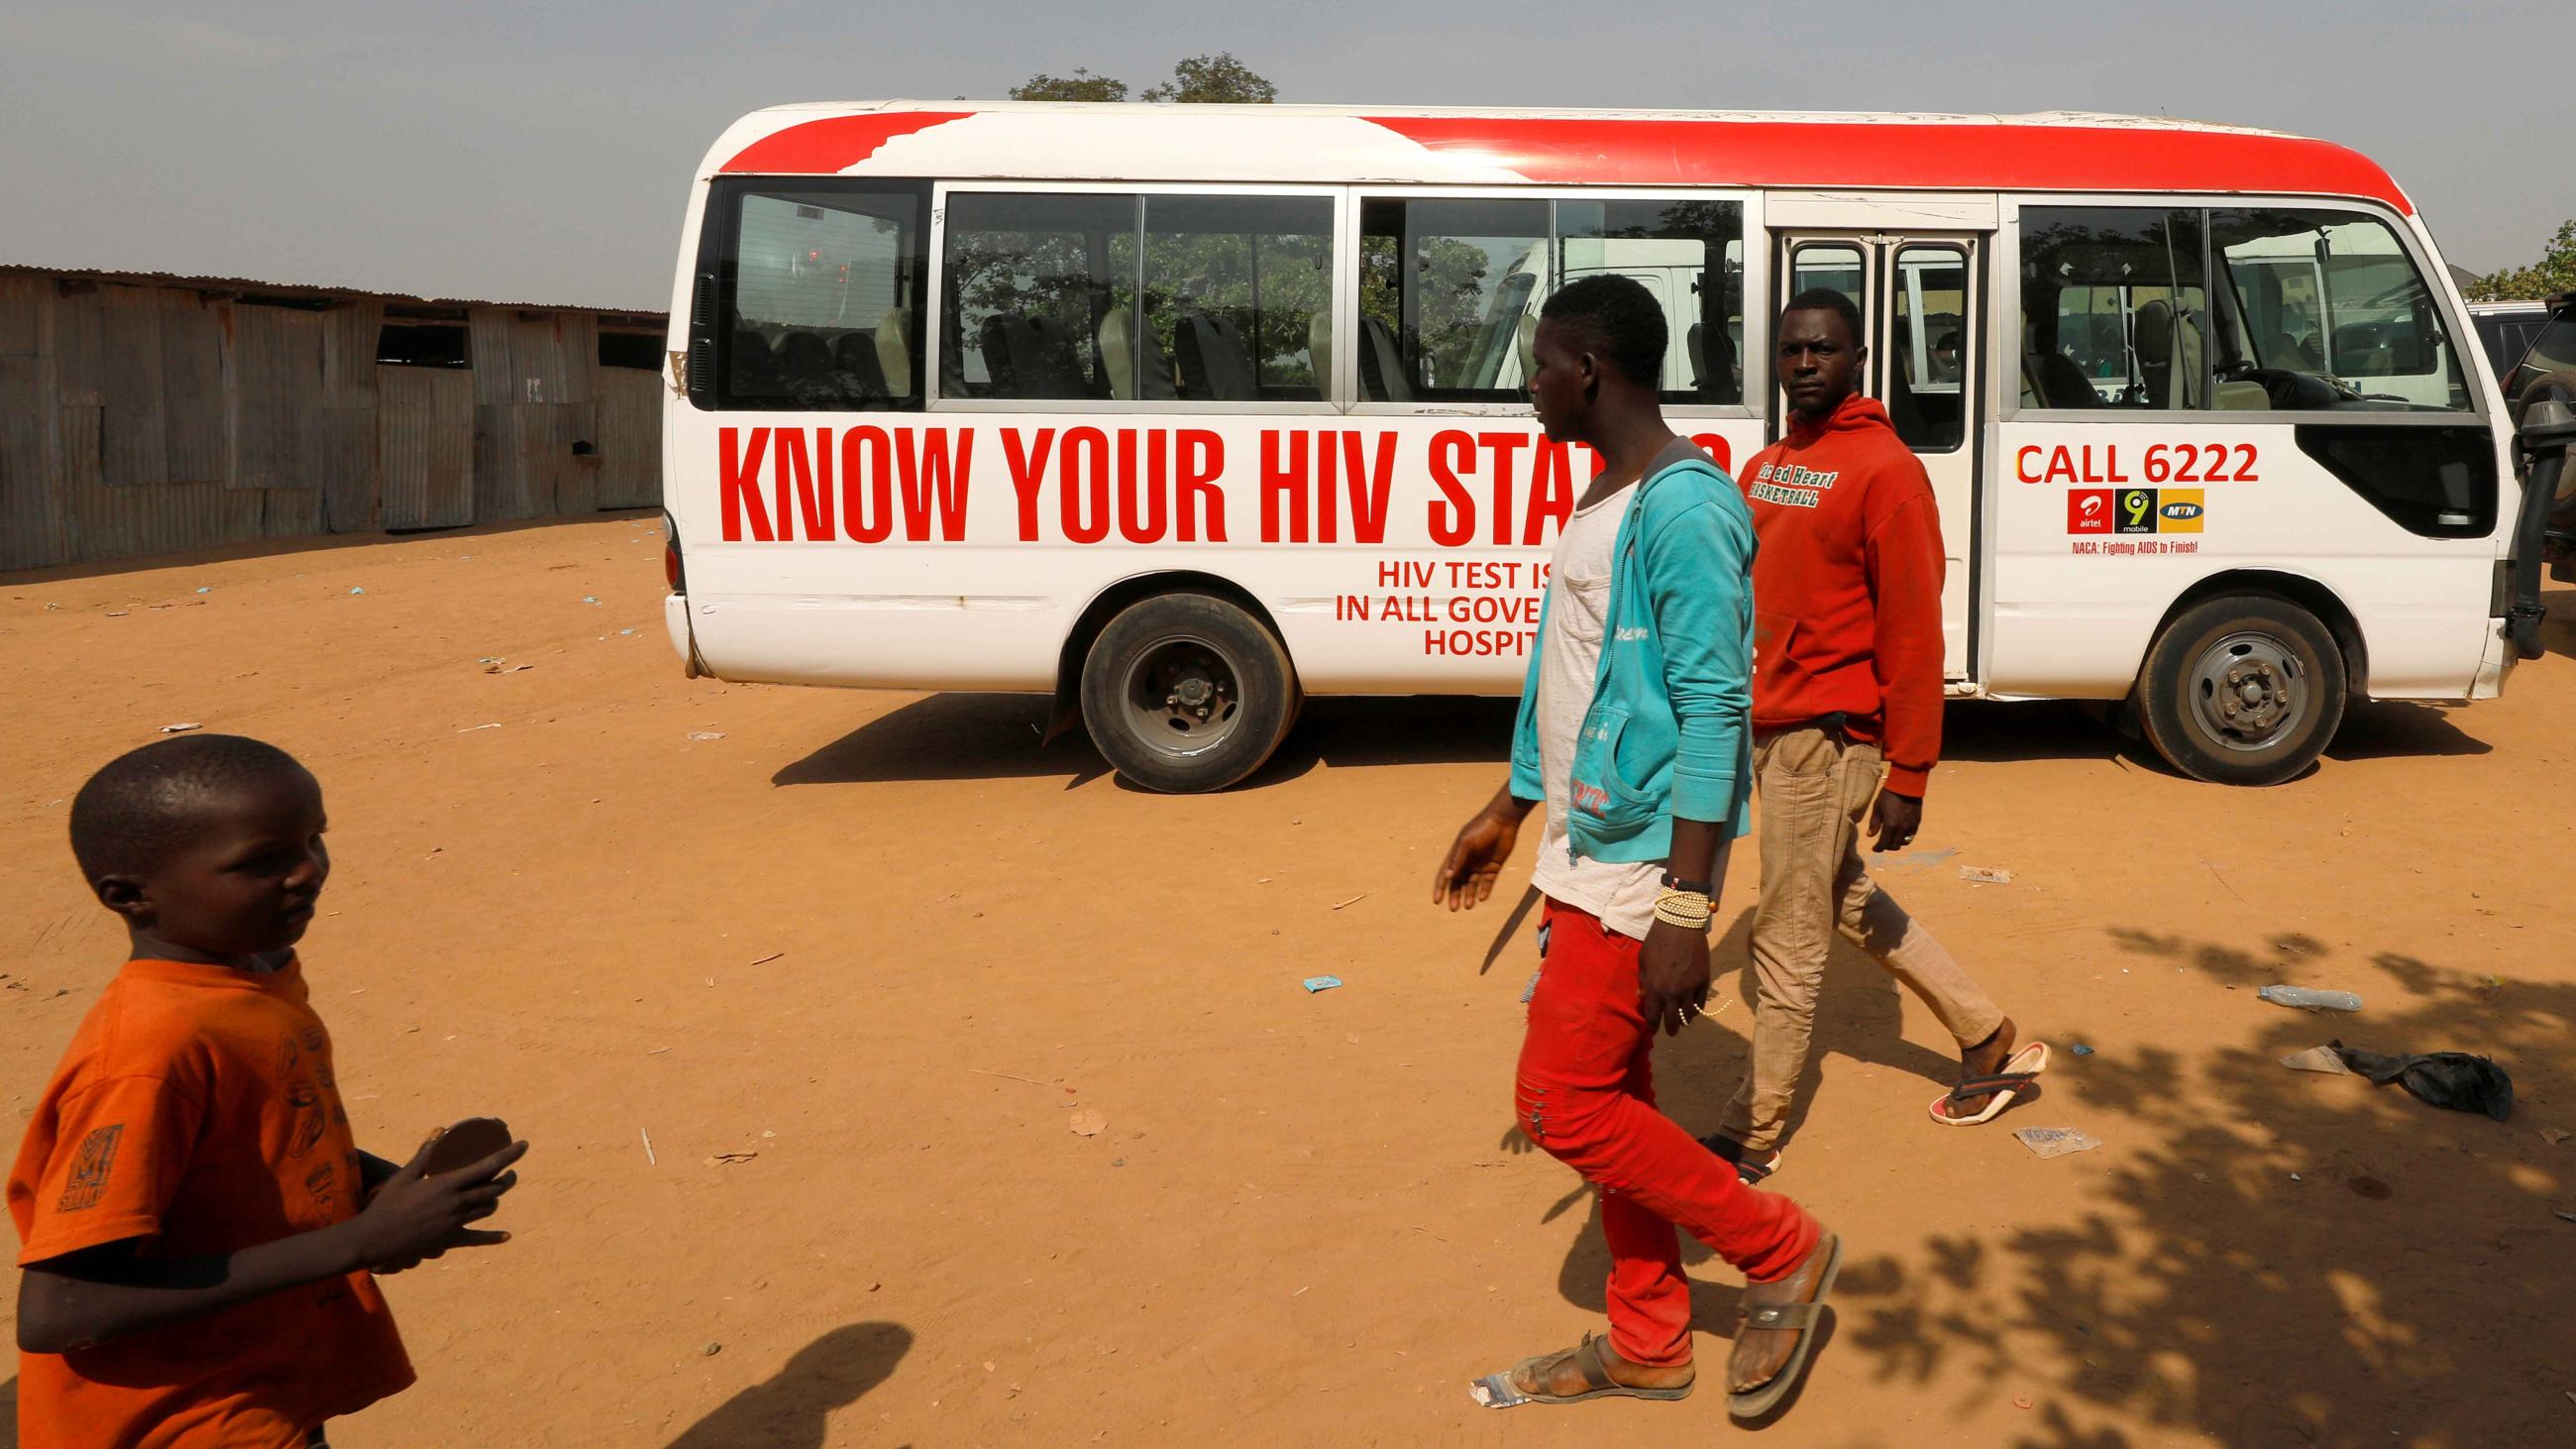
<point x="1186" y="693"/>
<point x="2242" y="690"/>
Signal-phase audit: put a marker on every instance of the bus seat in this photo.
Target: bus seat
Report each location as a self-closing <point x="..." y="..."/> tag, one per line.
<point x="1319" y="351"/>
<point x="805" y="361"/>
<point x="1525" y="339"/>
<point x="1131" y="357"/>
<point x="2154" y="344"/>
<point x="1382" y="375"/>
<point x="993" y="339"/>
<point x="1698" y="357"/>
<point x="894" y="351"/>
<point x="854" y="357"/>
<point x="1713" y="354"/>
<point x="2061" y="382"/>
<point x="755" y="369"/>
<point x="1904" y="411"/>
<point x="1049" y="361"/>
<point x="2241" y="396"/>
<point x="1214" y="365"/>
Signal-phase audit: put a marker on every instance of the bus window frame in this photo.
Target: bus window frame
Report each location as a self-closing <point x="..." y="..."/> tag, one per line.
<point x="937" y="331"/>
<point x="2004" y="340"/>
<point x="1754" y="358"/>
<point x="719" y="237"/>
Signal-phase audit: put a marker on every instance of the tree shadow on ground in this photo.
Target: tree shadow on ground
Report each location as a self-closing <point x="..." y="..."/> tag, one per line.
<point x="792" y="1409"/>
<point x="997" y="737"/>
<point x="2410" y="1279"/>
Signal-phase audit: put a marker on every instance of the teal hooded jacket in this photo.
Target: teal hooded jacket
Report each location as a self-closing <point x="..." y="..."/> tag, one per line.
<point x="1670" y="728"/>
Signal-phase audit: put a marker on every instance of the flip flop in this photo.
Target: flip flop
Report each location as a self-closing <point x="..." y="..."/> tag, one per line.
<point x="1761" y="1399"/>
<point x="1747" y="1171"/>
<point x="2006" y="1086"/>
<point x="1496" y="1391"/>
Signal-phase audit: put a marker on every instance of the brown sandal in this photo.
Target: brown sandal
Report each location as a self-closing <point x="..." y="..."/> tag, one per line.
<point x="1498" y="1391"/>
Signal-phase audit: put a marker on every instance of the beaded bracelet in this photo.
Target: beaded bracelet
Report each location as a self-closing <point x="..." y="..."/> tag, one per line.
<point x="1689" y="910"/>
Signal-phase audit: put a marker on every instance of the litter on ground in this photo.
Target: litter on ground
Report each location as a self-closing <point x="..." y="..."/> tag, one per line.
<point x="2056" y="1141"/>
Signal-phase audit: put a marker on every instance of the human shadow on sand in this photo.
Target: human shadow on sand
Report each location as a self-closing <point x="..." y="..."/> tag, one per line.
<point x="791" y="1410"/>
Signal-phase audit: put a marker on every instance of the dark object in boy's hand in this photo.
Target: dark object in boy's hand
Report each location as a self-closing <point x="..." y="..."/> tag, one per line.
<point x="465" y="1144"/>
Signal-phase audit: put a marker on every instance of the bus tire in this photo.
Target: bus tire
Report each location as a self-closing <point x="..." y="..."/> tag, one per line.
<point x="2246" y="689"/>
<point x="1185" y="693"/>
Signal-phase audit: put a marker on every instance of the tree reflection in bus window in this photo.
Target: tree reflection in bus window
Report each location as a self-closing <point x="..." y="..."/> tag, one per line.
<point x="1238" y="295"/>
<point x="2114" y="311"/>
<point x="1050" y="298"/>
<point x="2324" y="310"/>
<point x="1031" y="281"/>
<point x="1450" y="290"/>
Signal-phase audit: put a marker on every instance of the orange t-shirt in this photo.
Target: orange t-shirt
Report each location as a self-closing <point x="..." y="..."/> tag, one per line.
<point x="196" y="1110"/>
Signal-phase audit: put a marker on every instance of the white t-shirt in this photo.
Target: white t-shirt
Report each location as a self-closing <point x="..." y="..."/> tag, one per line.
<point x="1578" y="609"/>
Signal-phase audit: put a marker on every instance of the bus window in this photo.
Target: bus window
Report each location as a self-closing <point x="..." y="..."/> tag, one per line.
<point x="1238" y="295"/>
<point x="2114" y="313"/>
<point x="820" y="296"/>
<point x="1690" y="254"/>
<point x="2328" y="313"/>
<point x="1041" y="291"/>
<point x="1444" y="286"/>
<point x="1450" y="290"/>
<point x="1924" y="400"/>
<point x="1832" y="266"/>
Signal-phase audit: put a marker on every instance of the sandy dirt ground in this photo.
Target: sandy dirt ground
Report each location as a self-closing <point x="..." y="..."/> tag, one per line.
<point x="858" y="964"/>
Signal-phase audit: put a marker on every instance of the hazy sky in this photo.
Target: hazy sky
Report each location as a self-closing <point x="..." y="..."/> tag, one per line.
<point x="541" y="153"/>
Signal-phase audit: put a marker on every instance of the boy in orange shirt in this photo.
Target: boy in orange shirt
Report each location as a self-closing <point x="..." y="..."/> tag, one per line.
<point x="199" y="1228"/>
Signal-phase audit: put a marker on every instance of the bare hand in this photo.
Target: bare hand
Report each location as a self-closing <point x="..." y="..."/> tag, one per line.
<point x="1672" y="977"/>
<point x="412" y="1216"/>
<point x="1894" y="820"/>
<point x="1475" y="860"/>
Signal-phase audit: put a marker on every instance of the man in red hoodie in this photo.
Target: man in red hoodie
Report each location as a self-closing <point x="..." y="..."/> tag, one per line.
<point x="1846" y="726"/>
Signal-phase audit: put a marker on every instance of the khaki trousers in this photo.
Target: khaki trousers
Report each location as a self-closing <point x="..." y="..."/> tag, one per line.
<point x="1816" y="787"/>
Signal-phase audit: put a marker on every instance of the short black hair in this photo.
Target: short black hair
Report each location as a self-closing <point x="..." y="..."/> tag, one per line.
<point x="129" y="814"/>
<point x="1622" y="317"/>
<point x="1826" y="299"/>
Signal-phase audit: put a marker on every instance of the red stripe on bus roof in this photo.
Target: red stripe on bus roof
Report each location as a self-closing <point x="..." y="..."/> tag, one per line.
<point x="1928" y="156"/>
<point x="835" y="143"/>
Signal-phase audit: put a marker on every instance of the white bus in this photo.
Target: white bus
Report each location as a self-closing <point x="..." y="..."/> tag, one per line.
<point x="1186" y="413"/>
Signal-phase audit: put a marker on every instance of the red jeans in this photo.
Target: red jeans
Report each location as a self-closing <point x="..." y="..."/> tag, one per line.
<point x="1587" y="1095"/>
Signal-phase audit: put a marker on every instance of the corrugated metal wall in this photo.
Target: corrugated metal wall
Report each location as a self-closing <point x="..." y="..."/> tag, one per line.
<point x="138" y="419"/>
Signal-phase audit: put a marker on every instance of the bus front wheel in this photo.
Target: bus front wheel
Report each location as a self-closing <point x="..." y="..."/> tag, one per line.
<point x="1186" y="692"/>
<point x="2242" y="690"/>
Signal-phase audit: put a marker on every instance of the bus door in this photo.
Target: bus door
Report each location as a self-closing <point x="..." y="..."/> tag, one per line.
<point x="1922" y="298"/>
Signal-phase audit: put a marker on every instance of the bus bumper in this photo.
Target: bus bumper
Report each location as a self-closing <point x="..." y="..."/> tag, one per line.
<point x="675" y="618"/>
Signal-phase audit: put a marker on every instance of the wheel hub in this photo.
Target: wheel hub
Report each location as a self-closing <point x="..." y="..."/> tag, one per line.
<point x="2249" y="691"/>
<point x="1182" y="696"/>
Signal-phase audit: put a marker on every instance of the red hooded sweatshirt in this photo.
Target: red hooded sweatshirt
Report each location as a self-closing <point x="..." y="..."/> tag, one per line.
<point x="1847" y="588"/>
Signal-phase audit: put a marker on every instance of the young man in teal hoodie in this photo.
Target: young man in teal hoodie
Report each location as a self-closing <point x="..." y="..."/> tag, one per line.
<point x="1634" y="730"/>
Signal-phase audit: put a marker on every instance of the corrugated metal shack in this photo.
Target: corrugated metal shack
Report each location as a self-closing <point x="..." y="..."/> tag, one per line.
<point x="143" y="414"/>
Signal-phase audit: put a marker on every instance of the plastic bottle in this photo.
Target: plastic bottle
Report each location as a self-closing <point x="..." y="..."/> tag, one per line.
<point x="2304" y="996"/>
